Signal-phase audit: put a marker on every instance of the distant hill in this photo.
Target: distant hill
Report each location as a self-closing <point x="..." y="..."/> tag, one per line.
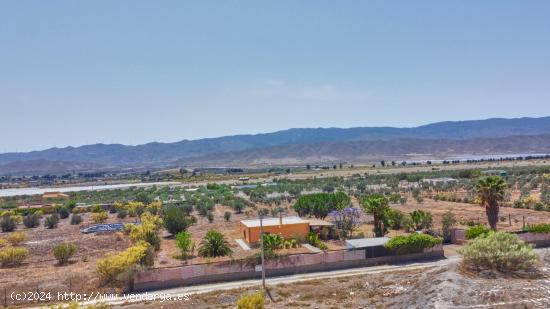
<point x="159" y="154"/>
<point x="369" y="151"/>
<point x="45" y="167"/>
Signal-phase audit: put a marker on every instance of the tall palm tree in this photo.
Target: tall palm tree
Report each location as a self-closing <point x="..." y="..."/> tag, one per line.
<point x="490" y="191"/>
<point x="377" y="205"/>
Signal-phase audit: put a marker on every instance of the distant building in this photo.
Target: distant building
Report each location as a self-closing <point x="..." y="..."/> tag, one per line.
<point x="54" y="195"/>
<point x="442" y="180"/>
<point x="500" y="173"/>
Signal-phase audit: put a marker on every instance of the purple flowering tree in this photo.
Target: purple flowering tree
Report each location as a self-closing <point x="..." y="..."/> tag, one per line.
<point x="346" y="220"/>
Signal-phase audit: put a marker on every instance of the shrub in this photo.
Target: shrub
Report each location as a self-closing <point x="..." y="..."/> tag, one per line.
<point x="448" y="222"/>
<point x="3" y="242"/>
<point x="214" y="244"/>
<point x="395" y="219"/>
<point x="16" y="238"/>
<point x="147" y="231"/>
<point x="119" y="236"/>
<point x="413" y="243"/>
<point x="500" y="251"/>
<point x="313" y="239"/>
<point x="97" y="209"/>
<point x="210" y="217"/>
<point x="538" y="228"/>
<point x="63" y="212"/>
<point x="76" y="219"/>
<point x="227" y="216"/>
<point x="100" y="217"/>
<point x="63" y="252"/>
<point x="7" y="223"/>
<point x="122" y="213"/>
<point x="273" y="242"/>
<point x="476" y="231"/>
<point x="31" y="220"/>
<point x="251" y="301"/>
<point x="421" y="219"/>
<point x="51" y="221"/>
<point x="13" y="256"/>
<point x="115" y="265"/>
<point x="175" y="220"/>
<point x="184" y="241"/>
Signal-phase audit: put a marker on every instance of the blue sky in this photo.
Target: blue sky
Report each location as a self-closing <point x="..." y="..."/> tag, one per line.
<point x="81" y="72"/>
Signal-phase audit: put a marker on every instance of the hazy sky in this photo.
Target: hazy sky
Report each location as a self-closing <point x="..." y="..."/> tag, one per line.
<point x="80" y="72"/>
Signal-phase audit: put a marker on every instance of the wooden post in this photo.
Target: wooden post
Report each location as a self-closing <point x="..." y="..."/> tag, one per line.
<point x="523" y="221"/>
<point x="510" y="219"/>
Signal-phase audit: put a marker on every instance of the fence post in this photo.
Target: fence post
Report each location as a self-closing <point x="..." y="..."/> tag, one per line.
<point x="510" y="219"/>
<point x="523" y="221"/>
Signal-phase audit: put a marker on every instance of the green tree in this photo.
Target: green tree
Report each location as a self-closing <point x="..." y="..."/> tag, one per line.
<point x="184" y="241"/>
<point x="377" y="205"/>
<point x="175" y="220"/>
<point x="214" y="244"/>
<point x="490" y="191"/>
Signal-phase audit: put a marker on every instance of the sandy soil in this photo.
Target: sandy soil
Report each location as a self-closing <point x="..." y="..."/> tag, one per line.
<point x="471" y="212"/>
<point x="39" y="272"/>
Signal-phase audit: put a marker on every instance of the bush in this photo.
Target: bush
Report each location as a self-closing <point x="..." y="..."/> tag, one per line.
<point x="500" y="251"/>
<point x="16" y="238"/>
<point x="3" y="242"/>
<point x="210" y="217"/>
<point x="273" y="242"/>
<point x="76" y="219"/>
<point x="13" y="256"/>
<point x="251" y="301"/>
<point x="7" y="223"/>
<point x="395" y="219"/>
<point x="115" y="265"/>
<point x="538" y="228"/>
<point x="63" y="212"/>
<point x="313" y="239"/>
<point x="122" y="213"/>
<point x="51" y="221"/>
<point x="100" y="217"/>
<point x="147" y="231"/>
<point x="422" y="219"/>
<point x="414" y="243"/>
<point x="476" y="231"/>
<point x="63" y="252"/>
<point x="31" y="220"/>
<point x="175" y="220"/>
<point x="227" y="216"/>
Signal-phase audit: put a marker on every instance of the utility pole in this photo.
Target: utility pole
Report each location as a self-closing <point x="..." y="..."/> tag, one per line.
<point x="262" y="246"/>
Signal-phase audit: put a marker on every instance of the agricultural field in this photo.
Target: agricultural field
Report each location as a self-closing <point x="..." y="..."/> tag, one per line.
<point x="164" y="213"/>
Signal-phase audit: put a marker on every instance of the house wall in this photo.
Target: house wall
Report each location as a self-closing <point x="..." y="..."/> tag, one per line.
<point x="287" y="231"/>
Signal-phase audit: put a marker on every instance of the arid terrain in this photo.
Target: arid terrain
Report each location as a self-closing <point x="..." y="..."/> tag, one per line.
<point x="444" y="286"/>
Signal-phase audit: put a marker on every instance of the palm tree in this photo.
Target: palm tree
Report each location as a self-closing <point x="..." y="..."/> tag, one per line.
<point x="214" y="244"/>
<point x="490" y="191"/>
<point x="377" y="205"/>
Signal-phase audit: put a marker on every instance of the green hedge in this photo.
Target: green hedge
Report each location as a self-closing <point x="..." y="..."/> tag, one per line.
<point x="413" y="243"/>
<point x="538" y="228"/>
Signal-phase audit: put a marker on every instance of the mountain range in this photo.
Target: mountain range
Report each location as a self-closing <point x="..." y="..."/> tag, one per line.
<point x="297" y="146"/>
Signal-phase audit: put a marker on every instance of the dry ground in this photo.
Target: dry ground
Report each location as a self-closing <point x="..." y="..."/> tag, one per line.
<point x="435" y="287"/>
<point x="39" y="272"/>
